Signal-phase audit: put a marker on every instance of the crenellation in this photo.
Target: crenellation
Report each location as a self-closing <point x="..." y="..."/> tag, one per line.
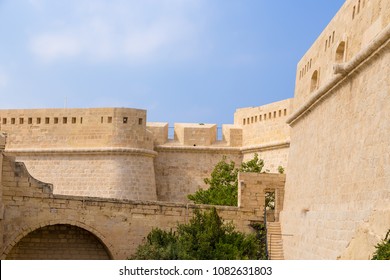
<point x="159" y="132"/>
<point x="232" y="135"/>
<point x="103" y="127"/>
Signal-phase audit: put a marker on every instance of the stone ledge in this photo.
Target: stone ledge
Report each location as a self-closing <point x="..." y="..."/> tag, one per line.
<point x="265" y="147"/>
<point x="84" y="151"/>
<point x="236" y="150"/>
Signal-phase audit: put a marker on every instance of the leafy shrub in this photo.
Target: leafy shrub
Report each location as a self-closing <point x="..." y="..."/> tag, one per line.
<point x="159" y="245"/>
<point x="223" y="182"/>
<point x="205" y="237"/>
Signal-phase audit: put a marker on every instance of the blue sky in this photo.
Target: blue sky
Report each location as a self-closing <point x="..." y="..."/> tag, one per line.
<point x="182" y="60"/>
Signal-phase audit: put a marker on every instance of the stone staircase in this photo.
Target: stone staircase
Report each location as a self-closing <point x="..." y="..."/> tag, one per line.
<point x="275" y="242"/>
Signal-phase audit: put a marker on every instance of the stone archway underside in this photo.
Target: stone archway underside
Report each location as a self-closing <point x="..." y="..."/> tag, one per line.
<point x="59" y="242"/>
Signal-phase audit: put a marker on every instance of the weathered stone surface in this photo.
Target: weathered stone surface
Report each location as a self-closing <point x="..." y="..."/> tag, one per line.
<point x="116" y="176"/>
<point x="339" y="169"/>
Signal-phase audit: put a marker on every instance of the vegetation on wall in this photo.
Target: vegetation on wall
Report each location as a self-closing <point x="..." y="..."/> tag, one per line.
<point x="205" y="237"/>
<point x="383" y="249"/>
<point x="223" y="182"/>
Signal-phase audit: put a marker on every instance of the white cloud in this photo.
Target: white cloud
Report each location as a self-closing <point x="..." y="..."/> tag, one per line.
<point x="53" y="46"/>
<point x="152" y="41"/>
<point x="105" y="30"/>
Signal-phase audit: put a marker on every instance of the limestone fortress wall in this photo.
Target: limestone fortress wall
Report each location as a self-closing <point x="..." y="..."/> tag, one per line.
<point x="116" y="153"/>
<point x="94" y="152"/>
<point x="265" y="132"/>
<point x="332" y="138"/>
<point x="337" y="196"/>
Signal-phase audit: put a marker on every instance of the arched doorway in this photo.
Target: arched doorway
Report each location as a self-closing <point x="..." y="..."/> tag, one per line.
<point x="59" y="242"/>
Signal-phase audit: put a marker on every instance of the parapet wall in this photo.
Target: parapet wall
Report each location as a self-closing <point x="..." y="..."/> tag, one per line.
<point x="352" y="29"/>
<point x="196" y="134"/>
<point x="265" y="132"/>
<point x="264" y="124"/>
<point x="75" y="128"/>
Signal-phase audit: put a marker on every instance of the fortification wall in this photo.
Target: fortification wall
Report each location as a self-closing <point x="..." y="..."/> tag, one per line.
<point x="184" y="161"/>
<point x="115" y="146"/>
<point x="352" y="29"/>
<point x="2" y="147"/>
<point x="337" y="187"/>
<point x="121" y="225"/>
<point x="181" y="170"/>
<point x="273" y="157"/>
<point x="75" y="128"/>
<point x="264" y="124"/>
<point x="265" y="132"/>
<point x="121" y="174"/>
<point x="90" y="152"/>
<point x="196" y="134"/>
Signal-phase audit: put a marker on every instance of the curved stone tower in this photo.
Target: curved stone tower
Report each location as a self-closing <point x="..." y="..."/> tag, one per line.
<point x="104" y="152"/>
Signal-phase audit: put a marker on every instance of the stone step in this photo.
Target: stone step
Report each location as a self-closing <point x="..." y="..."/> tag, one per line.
<point x="275" y="242"/>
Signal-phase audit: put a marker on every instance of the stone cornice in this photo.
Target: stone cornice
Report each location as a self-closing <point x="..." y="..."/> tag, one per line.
<point x="81" y="151"/>
<point x="342" y="72"/>
<point x="265" y="147"/>
<point x="230" y="150"/>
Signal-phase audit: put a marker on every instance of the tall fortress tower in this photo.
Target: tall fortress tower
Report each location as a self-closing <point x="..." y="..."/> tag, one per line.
<point x="337" y="199"/>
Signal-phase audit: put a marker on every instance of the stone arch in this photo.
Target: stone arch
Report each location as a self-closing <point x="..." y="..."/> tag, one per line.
<point x="340" y="52"/>
<point x="314" y="81"/>
<point x="26" y="230"/>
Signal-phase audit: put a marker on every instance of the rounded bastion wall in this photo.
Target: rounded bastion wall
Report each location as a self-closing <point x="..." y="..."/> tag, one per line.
<point x="122" y="175"/>
<point x="105" y="152"/>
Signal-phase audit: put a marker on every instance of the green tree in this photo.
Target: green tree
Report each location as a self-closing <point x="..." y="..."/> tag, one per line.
<point x="223" y="183"/>
<point x="205" y="237"/>
<point x="223" y="186"/>
<point x="383" y="249"/>
<point x="253" y="165"/>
